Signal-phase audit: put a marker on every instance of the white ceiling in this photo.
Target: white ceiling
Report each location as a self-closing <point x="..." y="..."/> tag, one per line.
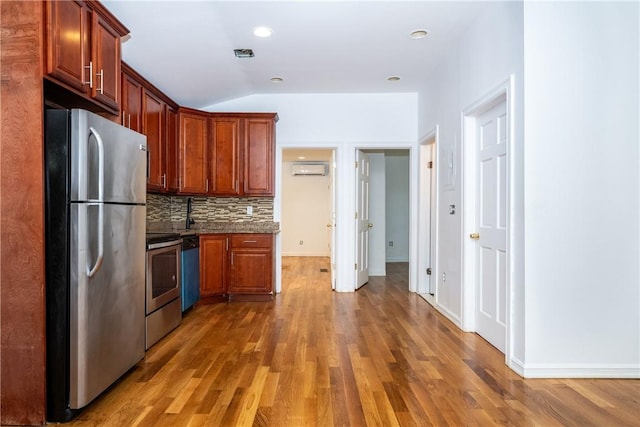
<point x="185" y="48"/>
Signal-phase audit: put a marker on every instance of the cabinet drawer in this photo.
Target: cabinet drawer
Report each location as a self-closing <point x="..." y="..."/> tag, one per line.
<point x="251" y="240"/>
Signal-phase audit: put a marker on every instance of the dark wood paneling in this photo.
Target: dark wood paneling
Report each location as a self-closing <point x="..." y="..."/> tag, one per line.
<point x="22" y="303"/>
<point x="193" y="151"/>
<point x="224" y="160"/>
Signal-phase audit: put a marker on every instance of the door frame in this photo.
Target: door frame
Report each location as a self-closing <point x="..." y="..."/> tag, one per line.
<point x="413" y="151"/>
<point x="277" y="206"/>
<point x="502" y="92"/>
<point x="428" y="224"/>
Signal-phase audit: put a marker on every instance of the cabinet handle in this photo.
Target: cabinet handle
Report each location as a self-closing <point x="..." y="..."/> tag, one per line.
<point x="101" y="73"/>
<point x="129" y="121"/>
<point x="90" y="67"/>
<point x="236" y="186"/>
<point x="124" y="122"/>
<point x="227" y="241"/>
<point x="164" y="181"/>
<point x="231" y="258"/>
<point x="250" y="241"/>
<point x="206" y="186"/>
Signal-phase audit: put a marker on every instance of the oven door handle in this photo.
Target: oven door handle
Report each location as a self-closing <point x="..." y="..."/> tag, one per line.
<point x="159" y="245"/>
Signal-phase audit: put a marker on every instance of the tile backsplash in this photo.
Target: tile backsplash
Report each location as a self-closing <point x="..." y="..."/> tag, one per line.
<point x="162" y="208"/>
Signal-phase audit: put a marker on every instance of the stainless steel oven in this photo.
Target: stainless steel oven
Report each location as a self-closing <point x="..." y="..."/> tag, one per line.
<point x="163" y="294"/>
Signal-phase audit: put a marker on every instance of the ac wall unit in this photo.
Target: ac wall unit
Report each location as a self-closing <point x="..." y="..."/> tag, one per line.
<point x="308" y="169"/>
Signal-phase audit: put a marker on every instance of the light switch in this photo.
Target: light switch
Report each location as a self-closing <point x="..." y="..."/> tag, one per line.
<point x="249" y="210"/>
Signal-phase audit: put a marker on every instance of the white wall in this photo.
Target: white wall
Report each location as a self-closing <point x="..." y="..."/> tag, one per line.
<point x="575" y="278"/>
<point x="487" y="54"/>
<point x="397" y="206"/>
<point x="306" y="211"/>
<point x="377" y="215"/>
<point x="582" y="189"/>
<point x="344" y="122"/>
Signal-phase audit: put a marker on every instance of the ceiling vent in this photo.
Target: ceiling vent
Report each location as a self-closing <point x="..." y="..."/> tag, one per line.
<point x="244" y="53"/>
<point x="309" y="169"/>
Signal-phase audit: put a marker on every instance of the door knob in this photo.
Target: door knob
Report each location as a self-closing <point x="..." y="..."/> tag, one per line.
<point x="474" y="236"/>
<point x="369" y="225"/>
<point x="328" y="225"/>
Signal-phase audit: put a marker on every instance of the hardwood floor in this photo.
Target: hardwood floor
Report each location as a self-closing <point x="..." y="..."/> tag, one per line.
<point x="378" y="357"/>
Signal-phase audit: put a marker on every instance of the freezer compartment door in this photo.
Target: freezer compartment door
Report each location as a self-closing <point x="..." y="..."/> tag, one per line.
<point x="109" y="157"/>
<point x="107" y="317"/>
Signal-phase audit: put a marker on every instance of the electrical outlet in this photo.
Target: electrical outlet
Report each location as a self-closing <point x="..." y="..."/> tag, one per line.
<point x="391" y="243"/>
<point x="301" y="242"/>
<point x="444" y="277"/>
<point x="249" y="210"/>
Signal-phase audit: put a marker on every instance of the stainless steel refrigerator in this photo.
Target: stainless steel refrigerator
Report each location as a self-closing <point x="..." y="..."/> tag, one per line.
<point x="95" y="190"/>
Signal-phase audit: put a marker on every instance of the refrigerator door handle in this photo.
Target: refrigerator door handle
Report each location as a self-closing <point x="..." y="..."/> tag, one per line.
<point x="100" y="144"/>
<point x="93" y="270"/>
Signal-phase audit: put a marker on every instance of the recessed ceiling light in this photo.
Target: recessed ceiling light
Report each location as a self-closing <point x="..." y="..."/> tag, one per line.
<point x="262" y="32"/>
<point x="301" y="157"/>
<point x="277" y="79"/>
<point x="418" y="34"/>
<point x="393" y="78"/>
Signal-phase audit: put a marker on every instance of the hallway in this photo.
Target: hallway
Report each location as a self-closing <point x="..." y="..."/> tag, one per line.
<point x="380" y="356"/>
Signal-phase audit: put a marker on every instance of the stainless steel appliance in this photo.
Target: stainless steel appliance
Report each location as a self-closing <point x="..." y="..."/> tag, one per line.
<point x="95" y="219"/>
<point x="163" y="301"/>
<point x="190" y="271"/>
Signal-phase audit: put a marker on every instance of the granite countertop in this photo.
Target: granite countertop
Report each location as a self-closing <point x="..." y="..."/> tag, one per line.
<point x="215" y="227"/>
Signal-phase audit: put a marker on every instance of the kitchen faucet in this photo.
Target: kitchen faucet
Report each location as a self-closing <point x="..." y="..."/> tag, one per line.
<point x="190" y="220"/>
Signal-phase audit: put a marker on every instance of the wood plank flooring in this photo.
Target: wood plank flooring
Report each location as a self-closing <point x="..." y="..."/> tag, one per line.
<point x="378" y="357"/>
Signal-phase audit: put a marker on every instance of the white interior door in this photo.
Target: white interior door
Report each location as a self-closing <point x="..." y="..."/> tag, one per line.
<point x="362" y="219"/>
<point x="491" y="225"/>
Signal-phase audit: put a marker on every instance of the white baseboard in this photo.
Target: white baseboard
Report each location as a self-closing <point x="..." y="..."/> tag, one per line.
<point x="448" y="314"/>
<point x="579" y="370"/>
<point x="377" y="272"/>
<point x="516" y="365"/>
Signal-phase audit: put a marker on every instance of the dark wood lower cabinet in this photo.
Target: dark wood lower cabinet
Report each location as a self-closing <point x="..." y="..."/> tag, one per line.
<point x="237" y="266"/>
<point x="213" y="267"/>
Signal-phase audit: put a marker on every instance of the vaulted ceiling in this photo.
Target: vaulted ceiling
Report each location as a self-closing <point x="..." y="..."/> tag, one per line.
<point x="186" y="48"/>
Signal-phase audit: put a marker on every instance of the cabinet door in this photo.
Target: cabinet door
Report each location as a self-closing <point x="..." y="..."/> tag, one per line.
<point x="105" y="54"/>
<point x="193" y="153"/>
<point x="258" y="157"/>
<point x="131" y="103"/>
<point x="225" y="160"/>
<point x="213" y="265"/>
<point x="68" y="42"/>
<point x="251" y="271"/>
<point x="171" y="143"/>
<point x="152" y="112"/>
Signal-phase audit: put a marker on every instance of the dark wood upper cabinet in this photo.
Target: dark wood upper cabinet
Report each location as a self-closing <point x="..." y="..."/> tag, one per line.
<point x="82" y="52"/>
<point x="242" y="154"/>
<point x="67" y="43"/>
<point x="105" y="54"/>
<point x="131" y="103"/>
<point x="258" y="157"/>
<point x="147" y="110"/>
<point x="172" y="149"/>
<point x="152" y="127"/>
<point x="224" y="160"/>
<point x="193" y="151"/>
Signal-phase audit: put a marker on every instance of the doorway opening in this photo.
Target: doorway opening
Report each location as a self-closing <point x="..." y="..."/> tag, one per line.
<point x="308" y="205"/>
<point x="382" y="211"/>
<point x="428" y="218"/>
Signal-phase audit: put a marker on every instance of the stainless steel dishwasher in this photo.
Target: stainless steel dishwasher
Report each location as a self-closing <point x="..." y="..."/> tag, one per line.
<point x="190" y="271"/>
